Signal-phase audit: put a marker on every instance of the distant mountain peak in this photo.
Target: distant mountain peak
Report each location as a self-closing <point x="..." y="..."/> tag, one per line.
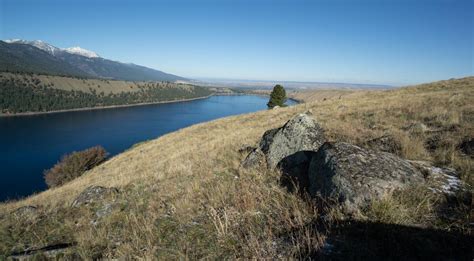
<point x="18" y="55"/>
<point x="55" y="50"/>
<point x="38" y="44"/>
<point x="81" y="51"/>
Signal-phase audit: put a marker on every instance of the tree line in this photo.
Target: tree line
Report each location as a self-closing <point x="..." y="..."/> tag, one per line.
<point x="19" y="96"/>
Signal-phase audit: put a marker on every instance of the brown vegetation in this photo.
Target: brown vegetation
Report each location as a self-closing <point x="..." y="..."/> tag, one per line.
<point x="74" y="165"/>
<point x="183" y="195"/>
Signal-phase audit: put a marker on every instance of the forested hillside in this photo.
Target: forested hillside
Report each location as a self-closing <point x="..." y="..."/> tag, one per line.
<point x="21" y="93"/>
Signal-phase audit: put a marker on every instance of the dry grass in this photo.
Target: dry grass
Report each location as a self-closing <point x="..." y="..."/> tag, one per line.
<point x="184" y="196"/>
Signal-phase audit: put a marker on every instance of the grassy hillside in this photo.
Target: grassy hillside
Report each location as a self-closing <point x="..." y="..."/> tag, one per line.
<point x="183" y="195"/>
<point x="40" y="93"/>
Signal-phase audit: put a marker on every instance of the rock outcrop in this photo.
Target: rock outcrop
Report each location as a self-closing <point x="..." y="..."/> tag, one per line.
<point x="100" y="199"/>
<point x="301" y="133"/>
<point x="28" y="212"/>
<point x="92" y="195"/>
<point x="355" y="176"/>
<point x="352" y="175"/>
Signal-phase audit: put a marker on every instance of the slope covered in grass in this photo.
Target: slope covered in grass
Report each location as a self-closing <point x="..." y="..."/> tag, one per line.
<point x="183" y="195"/>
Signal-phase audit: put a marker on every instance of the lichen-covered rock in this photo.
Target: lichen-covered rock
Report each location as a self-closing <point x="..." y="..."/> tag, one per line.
<point x="440" y="180"/>
<point x="254" y="159"/>
<point x="301" y="133"/>
<point x="29" y="212"/>
<point x="356" y="176"/>
<point x="93" y="194"/>
<point x="99" y="200"/>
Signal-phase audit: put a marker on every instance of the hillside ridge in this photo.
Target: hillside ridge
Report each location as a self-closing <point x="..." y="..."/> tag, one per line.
<point x="188" y="186"/>
<point x="40" y="57"/>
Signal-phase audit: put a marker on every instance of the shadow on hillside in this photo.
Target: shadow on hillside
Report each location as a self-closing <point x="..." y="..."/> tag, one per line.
<point x="357" y="240"/>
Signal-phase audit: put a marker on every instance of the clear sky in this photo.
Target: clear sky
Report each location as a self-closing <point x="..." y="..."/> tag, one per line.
<point x="379" y="41"/>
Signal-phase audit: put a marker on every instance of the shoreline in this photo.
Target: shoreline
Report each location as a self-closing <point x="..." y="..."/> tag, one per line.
<point x="21" y="114"/>
<point x="100" y="107"/>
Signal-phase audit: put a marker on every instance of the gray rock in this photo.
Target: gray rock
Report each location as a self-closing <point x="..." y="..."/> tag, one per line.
<point x="100" y="200"/>
<point x="254" y="159"/>
<point x="440" y="180"/>
<point x="93" y="194"/>
<point x="29" y="212"/>
<point x="301" y="133"/>
<point x="355" y="176"/>
<point x="416" y="128"/>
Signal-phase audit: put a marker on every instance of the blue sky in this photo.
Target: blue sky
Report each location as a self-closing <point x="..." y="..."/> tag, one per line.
<point x="384" y="42"/>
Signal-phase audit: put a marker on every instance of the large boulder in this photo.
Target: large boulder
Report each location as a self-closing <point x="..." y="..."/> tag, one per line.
<point x="301" y="133"/>
<point x="355" y="176"/>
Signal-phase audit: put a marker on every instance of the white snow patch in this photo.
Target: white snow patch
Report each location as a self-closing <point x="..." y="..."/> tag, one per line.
<point x="80" y="51"/>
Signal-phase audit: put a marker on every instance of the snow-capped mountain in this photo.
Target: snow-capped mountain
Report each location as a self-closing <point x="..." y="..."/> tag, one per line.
<point x="38" y="44"/>
<point x="53" y="50"/>
<point x="41" y="57"/>
<point x="80" y="51"/>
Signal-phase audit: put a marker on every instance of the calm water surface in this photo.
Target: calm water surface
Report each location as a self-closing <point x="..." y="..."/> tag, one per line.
<point x="31" y="144"/>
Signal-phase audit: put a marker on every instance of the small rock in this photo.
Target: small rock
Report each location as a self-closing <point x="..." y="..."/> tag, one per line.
<point x="98" y="199"/>
<point x="416" y="128"/>
<point x="93" y="194"/>
<point x="29" y="212"/>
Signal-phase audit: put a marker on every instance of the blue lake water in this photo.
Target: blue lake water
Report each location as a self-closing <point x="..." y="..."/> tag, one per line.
<point x="31" y="144"/>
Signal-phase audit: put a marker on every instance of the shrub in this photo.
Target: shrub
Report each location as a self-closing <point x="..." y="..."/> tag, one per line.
<point x="74" y="165"/>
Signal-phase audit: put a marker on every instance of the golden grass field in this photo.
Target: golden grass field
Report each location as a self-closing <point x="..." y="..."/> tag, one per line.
<point x="184" y="196"/>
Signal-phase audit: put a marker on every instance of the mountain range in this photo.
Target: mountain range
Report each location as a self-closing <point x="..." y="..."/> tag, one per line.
<point x="41" y="57"/>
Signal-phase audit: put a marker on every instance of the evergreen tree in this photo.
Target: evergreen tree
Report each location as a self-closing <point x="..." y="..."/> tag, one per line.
<point x="277" y="97"/>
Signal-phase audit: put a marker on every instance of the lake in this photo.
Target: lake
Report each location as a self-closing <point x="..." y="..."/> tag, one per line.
<point x="31" y="144"/>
